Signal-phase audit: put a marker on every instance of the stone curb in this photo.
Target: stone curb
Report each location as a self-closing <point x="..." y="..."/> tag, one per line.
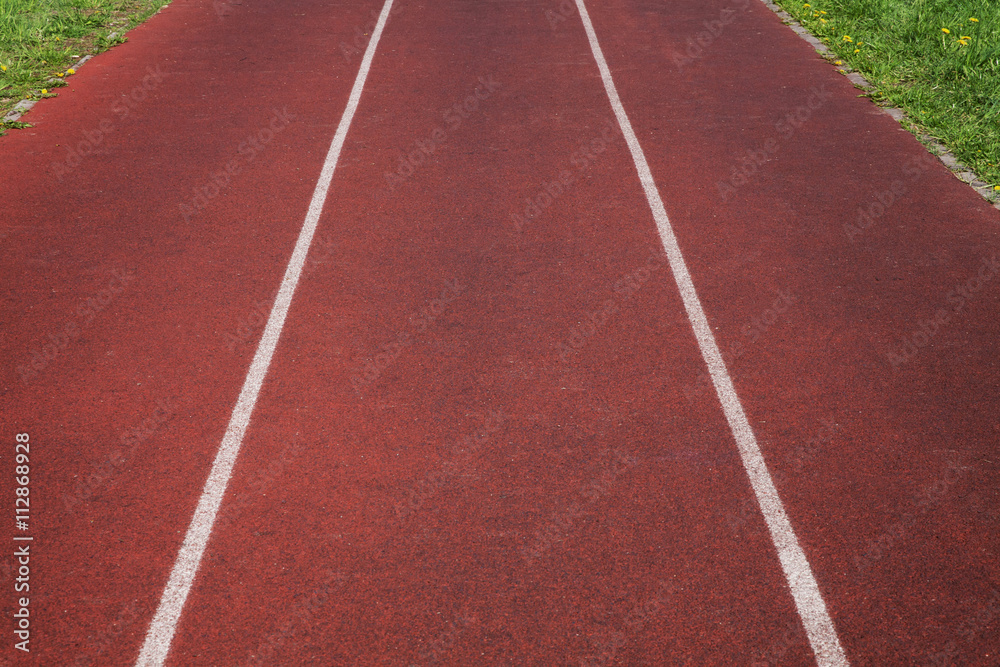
<point x="961" y="172"/>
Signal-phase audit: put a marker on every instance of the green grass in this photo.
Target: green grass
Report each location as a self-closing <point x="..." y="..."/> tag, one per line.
<point x="38" y="39"/>
<point x="950" y="90"/>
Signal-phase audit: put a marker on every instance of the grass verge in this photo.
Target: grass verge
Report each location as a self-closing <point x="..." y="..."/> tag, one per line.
<point x="937" y="60"/>
<point x="41" y="39"/>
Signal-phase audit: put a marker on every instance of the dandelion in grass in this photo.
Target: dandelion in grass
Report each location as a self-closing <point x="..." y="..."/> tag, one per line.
<point x="822" y="12"/>
<point x="857" y="50"/>
<point x="946" y="31"/>
<point x="838" y="62"/>
<point x="974" y="20"/>
<point x="847" y="38"/>
<point x="45" y="91"/>
<point x="963" y="42"/>
<point x="3" y="68"/>
<point x="964" y="37"/>
<point x="71" y="71"/>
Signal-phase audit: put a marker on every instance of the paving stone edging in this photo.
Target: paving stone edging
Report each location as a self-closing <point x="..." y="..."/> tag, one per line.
<point x="24" y="106"/>
<point x="936" y="148"/>
<point x="961" y="172"/>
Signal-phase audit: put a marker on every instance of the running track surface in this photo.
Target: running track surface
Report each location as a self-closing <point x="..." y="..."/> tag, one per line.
<point x="488" y="434"/>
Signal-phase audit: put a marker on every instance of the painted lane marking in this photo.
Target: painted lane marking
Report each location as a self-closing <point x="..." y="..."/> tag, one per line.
<point x="808" y="599"/>
<point x="164" y="625"/>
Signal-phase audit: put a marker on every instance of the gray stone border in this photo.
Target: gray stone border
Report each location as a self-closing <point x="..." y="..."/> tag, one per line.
<point x="24" y="106"/>
<point x="961" y="172"/>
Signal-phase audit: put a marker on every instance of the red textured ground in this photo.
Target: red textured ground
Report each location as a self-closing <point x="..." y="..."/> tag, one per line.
<point x="487" y="438"/>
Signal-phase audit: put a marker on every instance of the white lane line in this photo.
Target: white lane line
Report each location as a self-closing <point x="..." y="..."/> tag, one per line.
<point x="808" y="599"/>
<point x="161" y="630"/>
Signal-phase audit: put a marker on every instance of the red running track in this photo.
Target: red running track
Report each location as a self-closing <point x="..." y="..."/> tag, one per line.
<point x="487" y="435"/>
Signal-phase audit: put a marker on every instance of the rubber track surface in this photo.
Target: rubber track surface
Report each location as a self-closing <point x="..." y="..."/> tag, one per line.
<point x="488" y="435"/>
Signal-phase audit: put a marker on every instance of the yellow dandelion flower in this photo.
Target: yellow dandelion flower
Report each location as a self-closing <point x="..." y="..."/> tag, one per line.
<point x="71" y="71"/>
<point x="963" y="42"/>
<point x="45" y="91"/>
<point x="838" y="62"/>
<point x="996" y="187"/>
<point x="857" y="50"/>
<point x="974" y="20"/>
<point x="946" y="31"/>
<point x="807" y="5"/>
<point x="822" y="12"/>
<point x="964" y="37"/>
<point x="847" y="38"/>
<point x="3" y="68"/>
<point x="860" y="43"/>
<point x="59" y="73"/>
<point x="822" y="20"/>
